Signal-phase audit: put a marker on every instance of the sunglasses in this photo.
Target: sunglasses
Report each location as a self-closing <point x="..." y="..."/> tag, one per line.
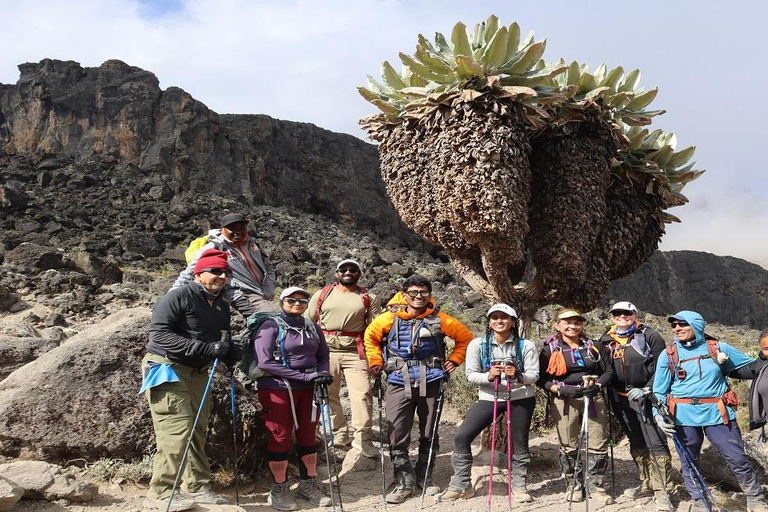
<point x="291" y="301"/>
<point x="678" y="324"/>
<point x="416" y="293"/>
<point x="622" y="312"/>
<point x="217" y="271"/>
<point x="348" y="270"/>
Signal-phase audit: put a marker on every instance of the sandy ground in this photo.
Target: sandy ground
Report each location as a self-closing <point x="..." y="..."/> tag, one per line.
<point x="361" y="486"/>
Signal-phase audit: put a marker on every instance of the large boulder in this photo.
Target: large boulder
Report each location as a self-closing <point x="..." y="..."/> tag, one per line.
<point x="42" y="481"/>
<point x="16" y="352"/>
<point x="80" y="401"/>
<point x="9" y="494"/>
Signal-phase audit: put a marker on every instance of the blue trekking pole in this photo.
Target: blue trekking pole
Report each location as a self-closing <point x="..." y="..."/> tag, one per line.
<point x="192" y="433"/>
<point x="707" y="499"/>
<point x="234" y="432"/>
<point x="325" y="410"/>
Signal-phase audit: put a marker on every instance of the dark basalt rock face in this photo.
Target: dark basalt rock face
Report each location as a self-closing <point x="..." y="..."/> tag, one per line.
<point x="723" y="289"/>
<point x="60" y="114"/>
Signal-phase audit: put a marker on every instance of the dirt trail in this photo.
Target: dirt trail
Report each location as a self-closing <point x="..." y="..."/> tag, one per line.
<point x="361" y="485"/>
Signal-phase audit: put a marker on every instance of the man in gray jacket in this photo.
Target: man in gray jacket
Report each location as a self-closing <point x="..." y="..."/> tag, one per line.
<point x="251" y="286"/>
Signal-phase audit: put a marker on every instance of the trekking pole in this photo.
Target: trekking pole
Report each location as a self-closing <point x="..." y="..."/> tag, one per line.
<point x="493" y="437"/>
<point x="585" y="463"/>
<point x="325" y="442"/>
<point x="192" y="432"/>
<point x="435" y="426"/>
<point x="325" y="405"/>
<point x="509" y="444"/>
<point x="234" y="432"/>
<point x="576" y="463"/>
<point x="381" y="441"/>
<point x="686" y="457"/>
<point x="611" y="440"/>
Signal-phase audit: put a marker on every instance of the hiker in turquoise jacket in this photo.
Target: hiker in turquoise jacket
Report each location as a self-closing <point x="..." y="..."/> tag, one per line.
<point x="690" y="378"/>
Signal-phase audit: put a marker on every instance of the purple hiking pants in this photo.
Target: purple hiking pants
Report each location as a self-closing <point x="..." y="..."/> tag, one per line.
<point x="727" y="440"/>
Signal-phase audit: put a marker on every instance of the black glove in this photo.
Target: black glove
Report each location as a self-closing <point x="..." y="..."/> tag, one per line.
<point x="218" y="349"/>
<point x="571" y="391"/>
<point x="234" y="355"/>
<point x="591" y="391"/>
<point x="324" y="378"/>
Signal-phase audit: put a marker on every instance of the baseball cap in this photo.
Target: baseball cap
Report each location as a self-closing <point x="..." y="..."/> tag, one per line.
<point x="349" y="261"/>
<point x="503" y="308"/>
<point x="571" y="313"/>
<point x="293" y="289"/>
<point x="624" y="306"/>
<point x="231" y="218"/>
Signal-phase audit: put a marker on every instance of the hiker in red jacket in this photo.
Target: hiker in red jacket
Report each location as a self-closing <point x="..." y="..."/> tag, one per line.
<point x="343" y="310"/>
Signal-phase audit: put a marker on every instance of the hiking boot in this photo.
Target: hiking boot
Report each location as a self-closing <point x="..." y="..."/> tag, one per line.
<point x="599" y="494"/>
<point x="577" y="497"/>
<point x="452" y="494"/>
<point x="662" y="503"/>
<point x="641" y="491"/>
<point x="308" y="491"/>
<point x="178" y="503"/>
<point x="431" y="489"/>
<point x="522" y="497"/>
<point x="280" y="498"/>
<point x="366" y="449"/>
<point x="399" y="494"/>
<point x="757" y="504"/>
<point x="519" y="477"/>
<point x="207" y="497"/>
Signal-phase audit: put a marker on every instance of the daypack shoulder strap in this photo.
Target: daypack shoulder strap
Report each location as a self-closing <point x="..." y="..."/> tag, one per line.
<point x="672" y="359"/>
<point x="324" y="293"/>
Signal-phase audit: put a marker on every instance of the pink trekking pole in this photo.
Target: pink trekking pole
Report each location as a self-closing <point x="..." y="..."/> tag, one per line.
<point x="509" y="445"/>
<point x="493" y="436"/>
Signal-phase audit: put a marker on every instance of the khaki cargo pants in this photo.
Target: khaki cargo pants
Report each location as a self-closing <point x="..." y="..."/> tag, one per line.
<point x="174" y="406"/>
<point x="355" y="371"/>
<point x="568" y="425"/>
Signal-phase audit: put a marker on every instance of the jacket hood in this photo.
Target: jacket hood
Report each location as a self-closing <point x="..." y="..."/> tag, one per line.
<point x="695" y="320"/>
<point x="398" y="306"/>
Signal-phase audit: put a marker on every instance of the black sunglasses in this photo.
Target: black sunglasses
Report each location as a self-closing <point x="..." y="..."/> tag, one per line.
<point x="349" y="270"/>
<point x="416" y="293"/>
<point x="217" y="271"/>
<point x="292" y="301"/>
<point x="622" y="312"/>
<point x="678" y="324"/>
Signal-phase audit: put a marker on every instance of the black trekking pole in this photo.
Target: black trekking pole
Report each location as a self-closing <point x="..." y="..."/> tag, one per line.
<point x="381" y="440"/>
<point x="611" y="440"/>
<point x="435" y="426"/>
<point x="325" y="442"/>
<point x="234" y="432"/>
<point x="192" y="432"/>
<point x="325" y="406"/>
<point x="686" y="457"/>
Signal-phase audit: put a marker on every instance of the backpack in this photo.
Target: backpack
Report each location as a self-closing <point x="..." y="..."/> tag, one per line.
<point x="325" y="292"/>
<point x="248" y="363"/>
<point x="197" y="244"/>
<point x="673" y="359"/>
<point x="486" y="350"/>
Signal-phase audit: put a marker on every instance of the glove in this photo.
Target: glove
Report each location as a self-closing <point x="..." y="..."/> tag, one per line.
<point x="571" y="391"/>
<point x="722" y="357"/>
<point x="324" y="378"/>
<point x="234" y="355"/>
<point x="218" y="349"/>
<point x="636" y="394"/>
<point x="591" y="391"/>
<point x="375" y="371"/>
<point x="666" y="427"/>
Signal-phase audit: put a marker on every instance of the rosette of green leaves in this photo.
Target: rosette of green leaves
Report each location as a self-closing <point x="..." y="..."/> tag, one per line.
<point x="492" y="56"/>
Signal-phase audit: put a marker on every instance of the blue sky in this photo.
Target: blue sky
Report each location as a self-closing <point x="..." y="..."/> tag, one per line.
<point x="302" y="60"/>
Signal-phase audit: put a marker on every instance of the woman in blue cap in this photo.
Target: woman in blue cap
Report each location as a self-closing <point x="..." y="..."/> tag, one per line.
<point x="690" y="378"/>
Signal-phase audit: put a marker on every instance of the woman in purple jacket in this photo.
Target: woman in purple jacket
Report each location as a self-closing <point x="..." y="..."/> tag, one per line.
<point x="294" y="354"/>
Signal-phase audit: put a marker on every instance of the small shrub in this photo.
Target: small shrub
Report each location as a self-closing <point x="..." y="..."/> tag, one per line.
<point x="108" y="470"/>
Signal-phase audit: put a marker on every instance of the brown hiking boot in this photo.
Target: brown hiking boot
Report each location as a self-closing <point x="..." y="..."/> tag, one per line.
<point x="451" y="494"/>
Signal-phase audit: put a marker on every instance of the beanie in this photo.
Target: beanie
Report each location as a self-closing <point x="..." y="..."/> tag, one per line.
<point x="211" y="258"/>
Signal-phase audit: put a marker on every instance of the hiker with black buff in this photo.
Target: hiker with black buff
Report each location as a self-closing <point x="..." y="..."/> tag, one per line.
<point x="691" y="379"/>
<point x="185" y="337"/>
<point x="634" y="349"/>
<point x="294" y="356"/>
<point x="251" y="285"/>
<point x="343" y="310"/>
<point x="415" y="331"/>
<point x="500" y="354"/>
<point x="568" y="356"/>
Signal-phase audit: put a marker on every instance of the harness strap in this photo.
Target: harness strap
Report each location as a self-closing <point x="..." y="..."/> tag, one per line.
<point x="673" y="401"/>
<point x="358" y="339"/>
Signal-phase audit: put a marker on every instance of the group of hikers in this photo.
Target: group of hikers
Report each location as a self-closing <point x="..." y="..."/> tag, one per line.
<point x="300" y="349"/>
